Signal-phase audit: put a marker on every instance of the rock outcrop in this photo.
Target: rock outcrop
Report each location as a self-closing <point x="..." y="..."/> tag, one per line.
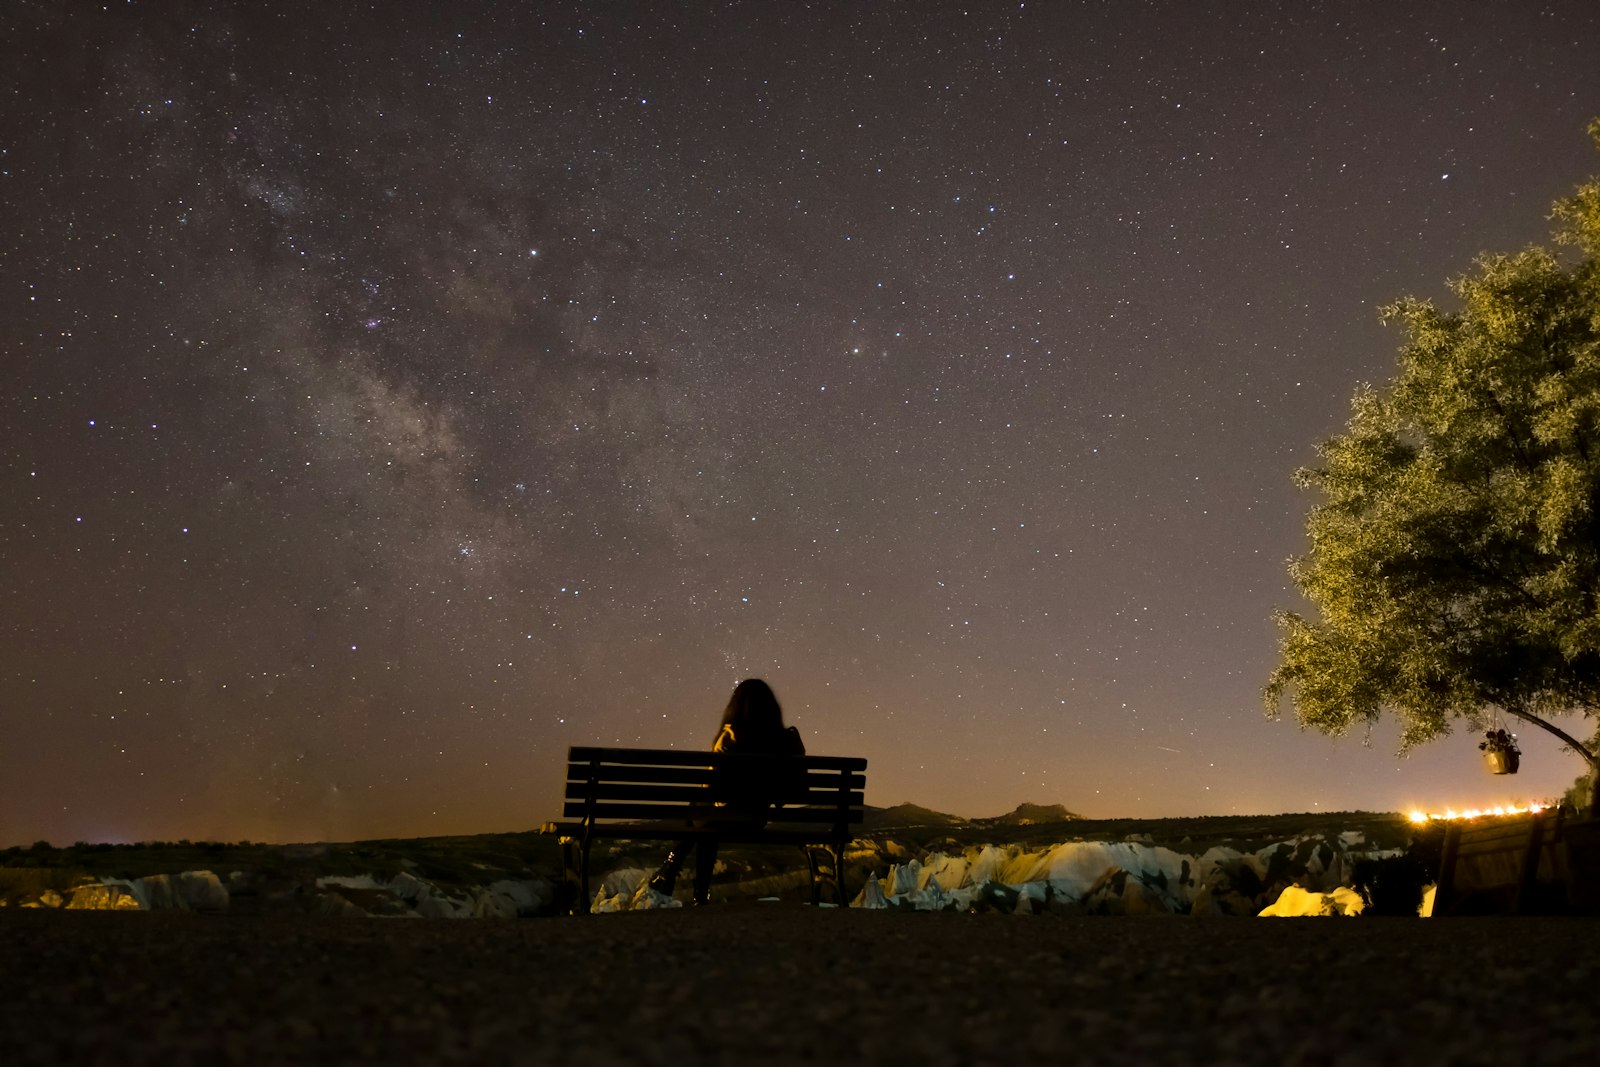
<point x="404" y="896"/>
<point x="1297" y="902"/>
<point x="1131" y="877"/>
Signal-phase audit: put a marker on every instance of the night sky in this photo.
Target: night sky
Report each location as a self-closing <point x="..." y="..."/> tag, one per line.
<point x="394" y="396"/>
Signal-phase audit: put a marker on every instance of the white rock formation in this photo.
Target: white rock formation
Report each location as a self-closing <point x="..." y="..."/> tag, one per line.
<point x="871" y="895"/>
<point x="104" y="897"/>
<point x="1295" y="902"/>
<point x="1120" y="877"/>
<point x="202" y="891"/>
<point x="521" y="896"/>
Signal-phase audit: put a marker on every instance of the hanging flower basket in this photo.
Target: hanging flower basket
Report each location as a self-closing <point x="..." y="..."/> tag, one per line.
<point x="1502" y="761"/>
<point x="1500" y="752"/>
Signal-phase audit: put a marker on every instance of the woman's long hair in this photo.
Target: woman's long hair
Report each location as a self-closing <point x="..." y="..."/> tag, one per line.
<point x="753" y="712"/>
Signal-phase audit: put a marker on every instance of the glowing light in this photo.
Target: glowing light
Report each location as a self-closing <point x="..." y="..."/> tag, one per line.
<point x="1416" y="815"/>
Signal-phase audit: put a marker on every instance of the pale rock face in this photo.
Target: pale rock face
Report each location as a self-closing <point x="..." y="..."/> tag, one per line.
<point x="1129" y="877"/>
<point x="602" y="904"/>
<point x="625" y="880"/>
<point x="931" y="897"/>
<point x="644" y="898"/>
<point x="508" y="899"/>
<point x="337" y="904"/>
<point x="349" y="881"/>
<point x="950" y="872"/>
<point x="203" y="891"/>
<point x="103" y="898"/>
<point x="189" y="891"/>
<point x="1037" y="893"/>
<point x="618" y="890"/>
<point x="436" y="905"/>
<point x="1075" y="868"/>
<point x="860" y="850"/>
<point x="871" y="895"/>
<point x="406" y="886"/>
<point x="903" y="879"/>
<point x="133" y="888"/>
<point x="629" y="890"/>
<point x="525" y="896"/>
<point x="406" y="896"/>
<point x="988" y="865"/>
<point x="1201" y="904"/>
<point x="158" y="892"/>
<point x="1124" y="877"/>
<point x="1118" y="892"/>
<point x="486" y="905"/>
<point x="1297" y="902"/>
<point x="988" y="896"/>
<point x="964" y="899"/>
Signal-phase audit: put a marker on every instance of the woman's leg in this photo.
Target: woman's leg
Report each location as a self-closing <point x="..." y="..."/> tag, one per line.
<point x="705" y="863"/>
<point x="665" y="880"/>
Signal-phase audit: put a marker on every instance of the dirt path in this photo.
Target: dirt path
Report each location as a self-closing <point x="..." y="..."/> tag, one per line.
<point x="749" y="985"/>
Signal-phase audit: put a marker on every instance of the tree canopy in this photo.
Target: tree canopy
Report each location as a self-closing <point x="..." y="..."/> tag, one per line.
<point x="1454" y="553"/>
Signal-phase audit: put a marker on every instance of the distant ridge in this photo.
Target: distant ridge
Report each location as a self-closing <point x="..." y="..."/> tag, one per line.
<point x="908" y="814"/>
<point x="1031" y="815"/>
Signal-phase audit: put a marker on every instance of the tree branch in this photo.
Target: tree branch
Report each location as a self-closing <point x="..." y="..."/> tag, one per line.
<point x="1571" y="742"/>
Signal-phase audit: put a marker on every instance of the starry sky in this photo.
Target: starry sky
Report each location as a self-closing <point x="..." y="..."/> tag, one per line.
<point x="398" y="394"/>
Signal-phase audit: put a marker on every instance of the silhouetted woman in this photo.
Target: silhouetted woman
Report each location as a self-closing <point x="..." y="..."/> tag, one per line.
<point x="752" y="724"/>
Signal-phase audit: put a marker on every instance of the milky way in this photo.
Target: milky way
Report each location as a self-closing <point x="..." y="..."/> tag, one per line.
<point x="396" y="397"/>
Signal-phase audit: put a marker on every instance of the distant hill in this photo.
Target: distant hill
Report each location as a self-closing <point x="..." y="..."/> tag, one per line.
<point x="915" y="815"/>
<point x="904" y="815"/>
<point x="1031" y="815"/>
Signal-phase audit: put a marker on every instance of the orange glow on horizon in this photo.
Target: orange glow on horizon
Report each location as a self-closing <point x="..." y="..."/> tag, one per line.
<point x="1418" y="816"/>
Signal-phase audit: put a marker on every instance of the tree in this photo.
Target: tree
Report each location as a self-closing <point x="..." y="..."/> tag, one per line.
<point x="1455" y="552"/>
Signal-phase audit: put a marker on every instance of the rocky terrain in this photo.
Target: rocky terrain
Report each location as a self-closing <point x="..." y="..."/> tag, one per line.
<point x="484" y="876"/>
<point x="1035" y="859"/>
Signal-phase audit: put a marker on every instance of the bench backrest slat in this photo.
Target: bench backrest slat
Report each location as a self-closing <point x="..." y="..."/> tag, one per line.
<point x="653" y="812"/>
<point x="579" y="792"/>
<point x="578" y="778"/>
<point x="673" y="757"/>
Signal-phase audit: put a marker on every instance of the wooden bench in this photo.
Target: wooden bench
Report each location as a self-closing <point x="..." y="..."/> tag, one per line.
<point x="669" y="795"/>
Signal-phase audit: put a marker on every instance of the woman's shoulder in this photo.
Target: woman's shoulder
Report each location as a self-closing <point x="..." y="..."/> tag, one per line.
<point x="785" y="742"/>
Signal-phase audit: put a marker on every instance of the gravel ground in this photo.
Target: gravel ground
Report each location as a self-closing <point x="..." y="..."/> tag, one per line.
<point x="777" y="984"/>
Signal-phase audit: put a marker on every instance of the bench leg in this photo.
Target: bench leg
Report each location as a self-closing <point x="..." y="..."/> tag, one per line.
<point x="574" y="876"/>
<point x="811" y="869"/>
<point x="567" y="895"/>
<point x="830" y="873"/>
<point x="583" y="878"/>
